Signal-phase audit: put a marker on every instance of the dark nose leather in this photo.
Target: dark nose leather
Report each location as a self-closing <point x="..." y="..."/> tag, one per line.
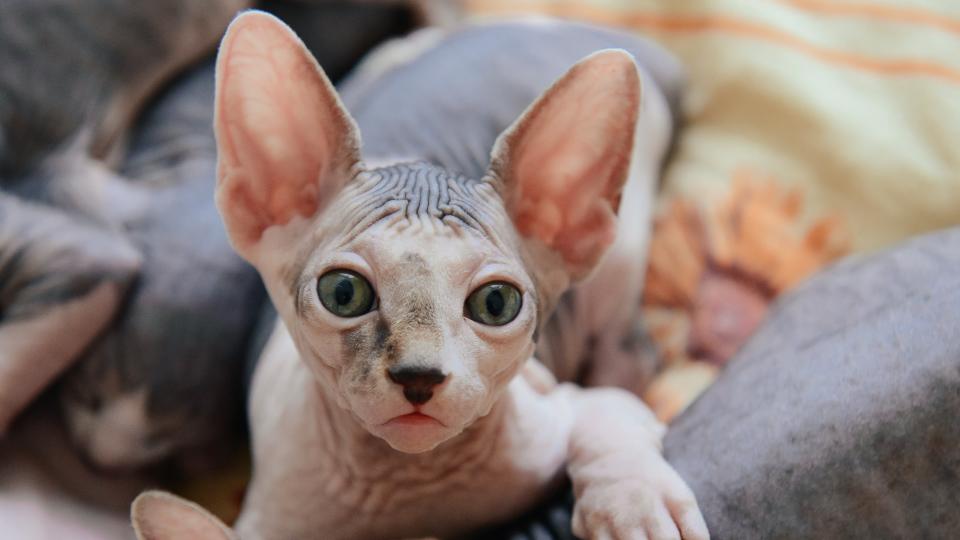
<point x="418" y="382"/>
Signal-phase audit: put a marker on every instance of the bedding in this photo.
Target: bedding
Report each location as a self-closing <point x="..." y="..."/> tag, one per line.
<point x="814" y="129"/>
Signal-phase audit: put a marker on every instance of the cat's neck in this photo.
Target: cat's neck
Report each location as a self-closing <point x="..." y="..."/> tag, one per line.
<point x="319" y="469"/>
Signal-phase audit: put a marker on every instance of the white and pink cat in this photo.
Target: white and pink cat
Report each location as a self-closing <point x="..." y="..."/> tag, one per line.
<point x="399" y="397"/>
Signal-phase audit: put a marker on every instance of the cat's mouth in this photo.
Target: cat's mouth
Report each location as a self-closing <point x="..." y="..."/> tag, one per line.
<point x="414" y="432"/>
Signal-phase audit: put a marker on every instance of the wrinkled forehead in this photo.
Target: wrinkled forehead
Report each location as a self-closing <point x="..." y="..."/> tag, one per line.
<point x="419" y="195"/>
<point x="414" y="221"/>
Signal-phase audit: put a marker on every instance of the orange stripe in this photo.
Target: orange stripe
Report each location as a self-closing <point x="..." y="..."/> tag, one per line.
<point x="897" y="14"/>
<point x="694" y="24"/>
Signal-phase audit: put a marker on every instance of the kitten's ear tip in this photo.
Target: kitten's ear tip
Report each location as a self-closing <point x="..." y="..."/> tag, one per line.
<point x="618" y="57"/>
<point x="254" y="21"/>
<point x="140" y="510"/>
<point x="157" y="515"/>
<point x="252" y="18"/>
<point x="143" y="504"/>
<point x="145" y="498"/>
<point x="613" y="62"/>
<point x="255" y="31"/>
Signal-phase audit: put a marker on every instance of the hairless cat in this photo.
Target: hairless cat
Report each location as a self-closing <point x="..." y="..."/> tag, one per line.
<point x="399" y="395"/>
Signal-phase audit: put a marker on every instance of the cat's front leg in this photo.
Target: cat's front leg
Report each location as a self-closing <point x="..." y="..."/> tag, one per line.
<point x="624" y="487"/>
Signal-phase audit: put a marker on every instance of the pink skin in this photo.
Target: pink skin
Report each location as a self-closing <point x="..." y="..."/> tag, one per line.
<point x="339" y="451"/>
<point x="414" y="419"/>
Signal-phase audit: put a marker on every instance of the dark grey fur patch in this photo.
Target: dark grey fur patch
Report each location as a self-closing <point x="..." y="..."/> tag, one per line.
<point x="48" y="258"/>
<point x="365" y="346"/>
<point x="356" y="346"/>
<point x="189" y="319"/>
<point x="383" y="341"/>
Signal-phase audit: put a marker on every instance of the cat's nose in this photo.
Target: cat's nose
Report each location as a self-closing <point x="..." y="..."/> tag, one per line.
<point x="418" y="382"/>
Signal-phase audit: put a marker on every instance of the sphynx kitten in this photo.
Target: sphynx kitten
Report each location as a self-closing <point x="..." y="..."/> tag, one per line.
<point x="400" y="397"/>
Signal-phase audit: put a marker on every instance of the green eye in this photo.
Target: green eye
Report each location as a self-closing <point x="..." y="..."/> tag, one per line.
<point x="494" y="304"/>
<point x="345" y="293"/>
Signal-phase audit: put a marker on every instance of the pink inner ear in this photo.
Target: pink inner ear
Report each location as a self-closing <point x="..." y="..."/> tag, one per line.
<point x="279" y="127"/>
<point x="571" y="154"/>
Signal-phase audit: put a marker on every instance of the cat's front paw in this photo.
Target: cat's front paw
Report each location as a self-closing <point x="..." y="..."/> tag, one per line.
<point x="632" y="497"/>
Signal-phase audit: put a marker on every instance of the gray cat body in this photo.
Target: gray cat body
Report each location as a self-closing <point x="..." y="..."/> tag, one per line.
<point x="472" y="82"/>
<point x="166" y="375"/>
<point x="74" y="75"/>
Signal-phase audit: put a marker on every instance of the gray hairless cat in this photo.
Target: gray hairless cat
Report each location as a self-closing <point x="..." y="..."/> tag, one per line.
<point x="74" y="74"/>
<point x="166" y="374"/>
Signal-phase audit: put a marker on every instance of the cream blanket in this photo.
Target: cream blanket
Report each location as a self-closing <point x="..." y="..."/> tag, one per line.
<point x="813" y="128"/>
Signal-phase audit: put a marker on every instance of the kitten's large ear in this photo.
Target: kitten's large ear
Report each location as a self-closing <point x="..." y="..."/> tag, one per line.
<point x="161" y="516"/>
<point x="563" y="163"/>
<point x="285" y="143"/>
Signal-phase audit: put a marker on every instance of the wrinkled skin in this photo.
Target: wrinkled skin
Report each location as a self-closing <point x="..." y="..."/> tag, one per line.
<point x="592" y="336"/>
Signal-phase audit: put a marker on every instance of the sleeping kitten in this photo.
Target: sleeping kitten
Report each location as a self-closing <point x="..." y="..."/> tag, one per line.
<point x="74" y="74"/>
<point x="164" y="378"/>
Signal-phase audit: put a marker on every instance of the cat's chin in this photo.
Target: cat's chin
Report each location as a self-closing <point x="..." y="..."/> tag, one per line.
<point x="414" y="435"/>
